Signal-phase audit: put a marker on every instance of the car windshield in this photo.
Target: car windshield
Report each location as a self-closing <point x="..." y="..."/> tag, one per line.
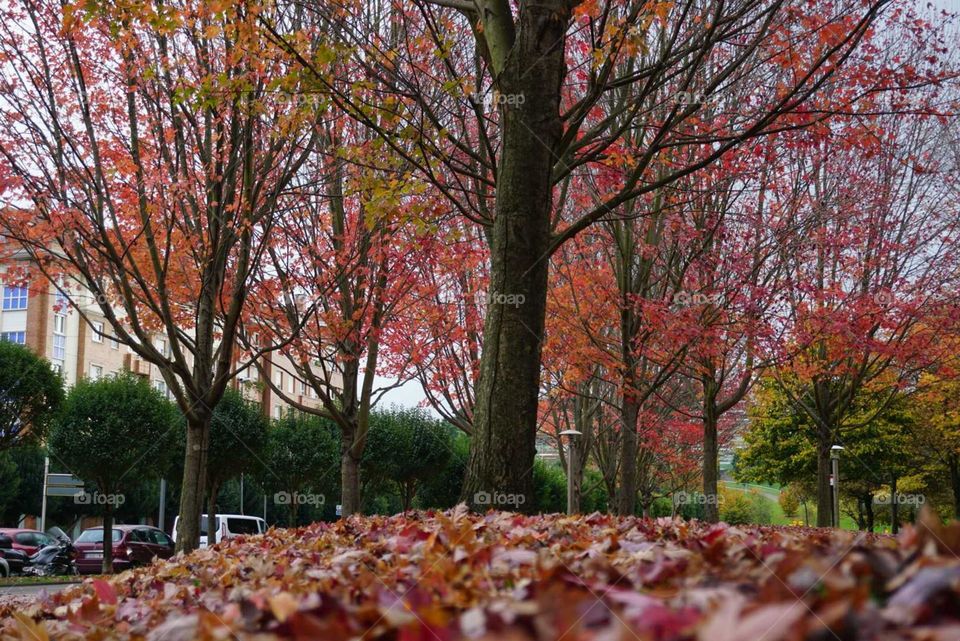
<point x="96" y="536"/>
<point x="243" y="526"/>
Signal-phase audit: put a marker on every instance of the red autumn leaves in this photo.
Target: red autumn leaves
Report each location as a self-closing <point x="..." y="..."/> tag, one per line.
<point x="455" y="575"/>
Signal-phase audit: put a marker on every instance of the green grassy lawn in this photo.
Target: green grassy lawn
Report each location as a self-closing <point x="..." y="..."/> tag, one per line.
<point x="770" y="493"/>
<point x="37" y="580"/>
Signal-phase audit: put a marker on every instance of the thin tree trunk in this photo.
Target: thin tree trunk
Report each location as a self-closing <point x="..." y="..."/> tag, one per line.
<point x="894" y="506"/>
<point x="627" y="490"/>
<point x="502" y="449"/>
<point x="192" y="487"/>
<point x="349" y="476"/>
<point x="868" y="505"/>
<point x="107" y="565"/>
<point x="711" y="454"/>
<point x="212" y="513"/>
<point x="824" y="489"/>
<point x="953" y="464"/>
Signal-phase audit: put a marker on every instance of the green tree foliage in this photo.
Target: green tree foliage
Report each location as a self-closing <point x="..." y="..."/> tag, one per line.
<point x="442" y="490"/>
<point x="880" y="449"/>
<point x="30" y="392"/>
<point x="238" y="433"/>
<point x="405" y="447"/>
<point x="9" y="482"/>
<point x="300" y="465"/>
<point x="113" y="433"/>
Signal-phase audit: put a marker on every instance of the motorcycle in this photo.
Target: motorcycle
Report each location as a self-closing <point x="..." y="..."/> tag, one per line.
<point x="55" y="559"/>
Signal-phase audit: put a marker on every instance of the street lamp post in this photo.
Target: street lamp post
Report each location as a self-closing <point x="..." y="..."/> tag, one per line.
<point x="570" y="434"/>
<point x="835" y="461"/>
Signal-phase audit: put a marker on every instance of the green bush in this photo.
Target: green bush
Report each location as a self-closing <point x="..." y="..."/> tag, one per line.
<point x="790" y="500"/>
<point x="739" y="508"/>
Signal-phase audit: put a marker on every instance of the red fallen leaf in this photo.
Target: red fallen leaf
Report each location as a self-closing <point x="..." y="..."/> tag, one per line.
<point x="105" y="592"/>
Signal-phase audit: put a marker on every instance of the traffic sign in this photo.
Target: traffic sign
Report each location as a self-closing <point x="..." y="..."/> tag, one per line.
<point x="64" y="491"/>
<point x="63" y="480"/>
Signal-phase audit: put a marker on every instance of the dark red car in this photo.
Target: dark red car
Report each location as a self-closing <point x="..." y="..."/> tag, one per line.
<point x="133" y="545"/>
<point x="28" y="541"/>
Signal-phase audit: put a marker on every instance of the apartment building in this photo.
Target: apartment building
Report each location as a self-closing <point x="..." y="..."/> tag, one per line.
<point x="35" y="314"/>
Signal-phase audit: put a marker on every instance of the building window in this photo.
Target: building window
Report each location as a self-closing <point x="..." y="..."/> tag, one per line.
<point x="161" y="386"/>
<point x="276" y="411"/>
<point x="59" y="324"/>
<point x="57" y="367"/>
<point x="20" y="338"/>
<point x="62" y="303"/>
<point x="114" y="344"/>
<point x="14" y="297"/>
<point x="96" y="372"/>
<point x="97" y="332"/>
<point x="59" y="347"/>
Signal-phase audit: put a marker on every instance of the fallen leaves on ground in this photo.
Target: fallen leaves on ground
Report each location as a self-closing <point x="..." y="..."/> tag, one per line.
<point x="455" y="575"/>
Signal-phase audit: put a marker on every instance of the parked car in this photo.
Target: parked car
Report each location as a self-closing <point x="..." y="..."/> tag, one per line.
<point x="29" y="541"/>
<point x="4" y="568"/>
<point x="228" y="526"/>
<point x="133" y="545"/>
<point x="16" y="559"/>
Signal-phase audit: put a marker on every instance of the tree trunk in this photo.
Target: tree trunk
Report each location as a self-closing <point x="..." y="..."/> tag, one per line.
<point x="192" y="488"/>
<point x="824" y="488"/>
<point x="894" y="506"/>
<point x="953" y="464"/>
<point x="502" y="449"/>
<point x="868" y="509"/>
<point x="575" y="467"/>
<point x="349" y="476"/>
<point x="107" y="566"/>
<point x="711" y="454"/>
<point x="627" y="491"/>
<point x="212" y="513"/>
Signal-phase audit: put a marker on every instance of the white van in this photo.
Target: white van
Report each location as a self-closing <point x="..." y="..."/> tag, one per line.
<point x="228" y="526"/>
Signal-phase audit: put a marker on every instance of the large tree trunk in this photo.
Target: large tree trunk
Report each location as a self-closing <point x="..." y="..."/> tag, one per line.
<point x="711" y="454"/>
<point x="107" y="566"/>
<point x="192" y="488"/>
<point x="627" y="491"/>
<point x="349" y="476"/>
<point x="505" y="417"/>
<point x="824" y="488"/>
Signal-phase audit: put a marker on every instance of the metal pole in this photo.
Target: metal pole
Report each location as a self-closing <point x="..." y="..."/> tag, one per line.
<point x="836" y="491"/>
<point x="264" y="507"/>
<point x="241" y="493"/>
<point x="43" y="504"/>
<point x="161" y="519"/>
